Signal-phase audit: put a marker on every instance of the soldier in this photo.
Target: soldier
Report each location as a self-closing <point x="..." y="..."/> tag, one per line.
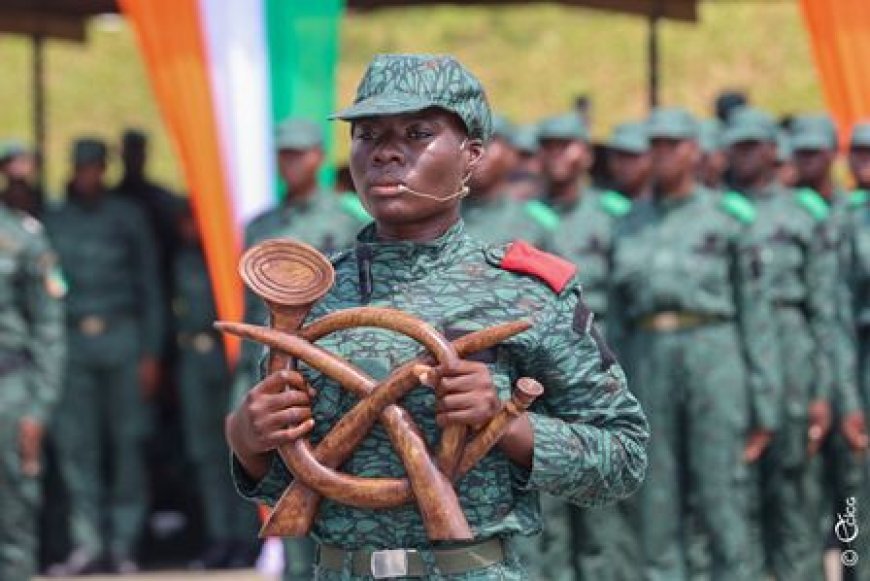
<point x="713" y="163"/>
<point x="628" y="160"/>
<point x="18" y="165"/>
<point x="204" y="387"/>
<point x="786" y="170"/>
<point x="799" y="266"/>
<point x="524" y="180"/>
<point x="689" y="313"/>
<point x="31" y="359"/>
<point x="415" y="139"/>
<point x="487" y="212"/>
<point x="114" y="327"/>
<point x="309" y="214"/>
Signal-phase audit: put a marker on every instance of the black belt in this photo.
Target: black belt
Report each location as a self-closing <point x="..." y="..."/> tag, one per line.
<point x="390" y="563"/>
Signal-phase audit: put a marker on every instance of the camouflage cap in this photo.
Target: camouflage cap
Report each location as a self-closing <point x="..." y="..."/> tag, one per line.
<point x="87" y="150"/>
<point x="298" y="134"/>
<point x="710" y="136"/>
<point x="672" y="123"/>
<point x="525" y="139"/>
<point x="813" y="133"/>
<point x="407" y="83"/>
<point x="502" y="128"/>
<point x="750" y="124"/>
<point x="784" y="149"/>
<point x="860" y="135"/>
<point x="567" y="126"/>
<point x="11" y="149"/>
<point x="629" y="137"/>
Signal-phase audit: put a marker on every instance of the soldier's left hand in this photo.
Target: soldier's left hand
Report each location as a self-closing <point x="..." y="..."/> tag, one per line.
<point x="465" y="392"/>
<point x="820" y="418"/>
<point x="854" y="428"/>
<point x="30" y="434"/>
<point x="756" y="444"/>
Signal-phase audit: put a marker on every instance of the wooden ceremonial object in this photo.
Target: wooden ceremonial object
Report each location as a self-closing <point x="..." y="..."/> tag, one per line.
<point x="291" y="277"/>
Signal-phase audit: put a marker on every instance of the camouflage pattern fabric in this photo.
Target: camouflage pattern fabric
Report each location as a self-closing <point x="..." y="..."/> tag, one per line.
<point x="502" y="220"/>
<point x="589" y="431"/>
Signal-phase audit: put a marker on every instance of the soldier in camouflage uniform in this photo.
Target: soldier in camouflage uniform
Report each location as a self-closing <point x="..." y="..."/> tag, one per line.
<point x="798" y="263"/>
<point x="689" y="316"/>
<point x="418" y="125"/>
<point x="524" y="180"/>
<point x="31" y="359"/>
<point x="204" y="387"/>
<point x="786" y="170"/>
<point x="852" y="369"/>
<point x="114" y="327"/>
<point x="628" y="160"/>
<point x="309" y="214"/>
<point x="18" y="166"/>
<point x="713" y="164"/>
<point x="488" y="213"/>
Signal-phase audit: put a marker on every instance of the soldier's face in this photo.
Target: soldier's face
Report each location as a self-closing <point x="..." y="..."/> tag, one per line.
<point x="859" y="164"/>
<point x="711" y="167"/>
<point x="813" y="165"/>
<point x="298" y="168"/>
<point x="564" y="160"/>
<point x="751" y="160"/>
<point x="672" y="159"/>
<point x="496" y="163"/>
<point x="630" y="171"/>
<point x="427" y="152"/>
<point x="88" y="177"/>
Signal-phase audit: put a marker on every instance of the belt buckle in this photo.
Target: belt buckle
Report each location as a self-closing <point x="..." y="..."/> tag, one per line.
<point x="667" y="321"/>
<point x="390" y="563"/>
<point x="92" y="326"/>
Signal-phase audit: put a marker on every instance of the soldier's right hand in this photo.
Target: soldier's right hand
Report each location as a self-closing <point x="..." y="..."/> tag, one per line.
<point x="854" y="430"/>
<point x="271" y="415"/>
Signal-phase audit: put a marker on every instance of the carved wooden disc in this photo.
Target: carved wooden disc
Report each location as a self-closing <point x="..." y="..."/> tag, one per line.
<point x="286" y="272"/>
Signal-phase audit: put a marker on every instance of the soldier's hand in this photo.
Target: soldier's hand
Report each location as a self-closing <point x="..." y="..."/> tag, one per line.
<point x="820" y="419"/>
<point x="756" y="444"/>
<point x="854" y="428"/>
<point x="149" y="376"/>
<point x="30" y="434"/>
<point x="465" y="394"/>
<point x="271" y="415"/>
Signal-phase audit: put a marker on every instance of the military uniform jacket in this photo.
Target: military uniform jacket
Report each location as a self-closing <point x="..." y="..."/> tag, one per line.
<point x="502" y="220"/>
<point x="31" y="311"/>
<point x="109" y="258"/>
<point x="695" y="255"/>
<point x="589" y="431"/>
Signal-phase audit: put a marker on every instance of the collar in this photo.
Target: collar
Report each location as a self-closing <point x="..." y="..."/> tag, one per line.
<point x="666" y="204"/>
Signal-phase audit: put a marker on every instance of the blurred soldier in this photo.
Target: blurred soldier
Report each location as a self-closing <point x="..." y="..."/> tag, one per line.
<point x="31" y="359"/>
<point x="727" y="102"/>
<point x="18" y="166"/>
<point x="204" y="386"/>
<point x="114" y="328"/>
<point x="799" y="266"/>
<point x="311" y="215"/>
<point x="524" y="180"/>
<point x="689" y="312"/>
<point x="786" y="170"/>
<point x="628" y="160"/>
<point x="713" y="162"/>
<point x="487" y="212"/>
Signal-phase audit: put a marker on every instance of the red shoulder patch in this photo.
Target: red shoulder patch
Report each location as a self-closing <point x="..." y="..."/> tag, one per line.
<point x="524" y="258"/>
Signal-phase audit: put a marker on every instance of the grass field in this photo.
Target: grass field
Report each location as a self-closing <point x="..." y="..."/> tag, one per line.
<point x="533" y="61"/>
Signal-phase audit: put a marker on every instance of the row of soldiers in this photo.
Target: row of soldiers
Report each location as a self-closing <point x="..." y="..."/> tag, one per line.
<point x="723" y="265"/>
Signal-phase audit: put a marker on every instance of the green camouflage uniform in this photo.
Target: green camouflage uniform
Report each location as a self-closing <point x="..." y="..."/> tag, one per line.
<point x="326" y="221"/>
<point x="589" y="431"/>
<point x="691" y="318"/>
<point x="799" y="267"/>
<point x="204" y="388"/>
<point x="114" y="317"/>
<point x="31" y="359"/>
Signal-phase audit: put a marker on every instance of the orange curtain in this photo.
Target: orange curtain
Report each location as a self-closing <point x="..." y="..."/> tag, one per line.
<point x="171" y="40"/>
<point x="840" y="35"/>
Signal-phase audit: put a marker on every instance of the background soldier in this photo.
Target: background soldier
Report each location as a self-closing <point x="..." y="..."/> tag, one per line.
<point x="114" y="327"/>
<point x="689" y="317"/>
<point x="18" y="167"/>
<point x="712" y="164"/>
<point x="31" y="359"/>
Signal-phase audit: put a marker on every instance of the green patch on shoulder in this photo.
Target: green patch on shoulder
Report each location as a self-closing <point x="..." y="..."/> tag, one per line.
<point x="352" y="206"/>
<point x="811" y="201"/>
<point x="541" y="213"/>
<point x="739" y="206"/>
<point x="615" y="203"/>
<point x="859" y="198"/>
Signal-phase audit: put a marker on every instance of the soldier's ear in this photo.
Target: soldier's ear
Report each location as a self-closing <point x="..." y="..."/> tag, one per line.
<point x="476" y="149"/>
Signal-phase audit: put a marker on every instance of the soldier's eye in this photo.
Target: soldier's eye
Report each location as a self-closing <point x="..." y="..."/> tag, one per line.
<point x="419" y="133"/>
<point x="363" y="134"/>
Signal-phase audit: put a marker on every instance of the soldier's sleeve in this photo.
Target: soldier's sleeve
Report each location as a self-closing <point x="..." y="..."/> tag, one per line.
<point x="267" y="490"/>
<point x="820" y="281"/>
<point x="42" y="300"/>
<point x="144" y="248"/>
<point x="589" y="431"/>
<point x="845" y="393"/>
<point x="757" y="333"/>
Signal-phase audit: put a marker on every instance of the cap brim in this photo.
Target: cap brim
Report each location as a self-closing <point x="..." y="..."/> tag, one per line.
<point x="860" y="142"/>
<point x="626" y="146"/>
<point x="742" y="134"/>
<point x="381" y="105"/>
<point x="670" y="133"/>
<point x="810" y="143"/>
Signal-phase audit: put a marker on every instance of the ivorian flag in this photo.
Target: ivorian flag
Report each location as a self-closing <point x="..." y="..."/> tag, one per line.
<point x="224" y="72"/>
